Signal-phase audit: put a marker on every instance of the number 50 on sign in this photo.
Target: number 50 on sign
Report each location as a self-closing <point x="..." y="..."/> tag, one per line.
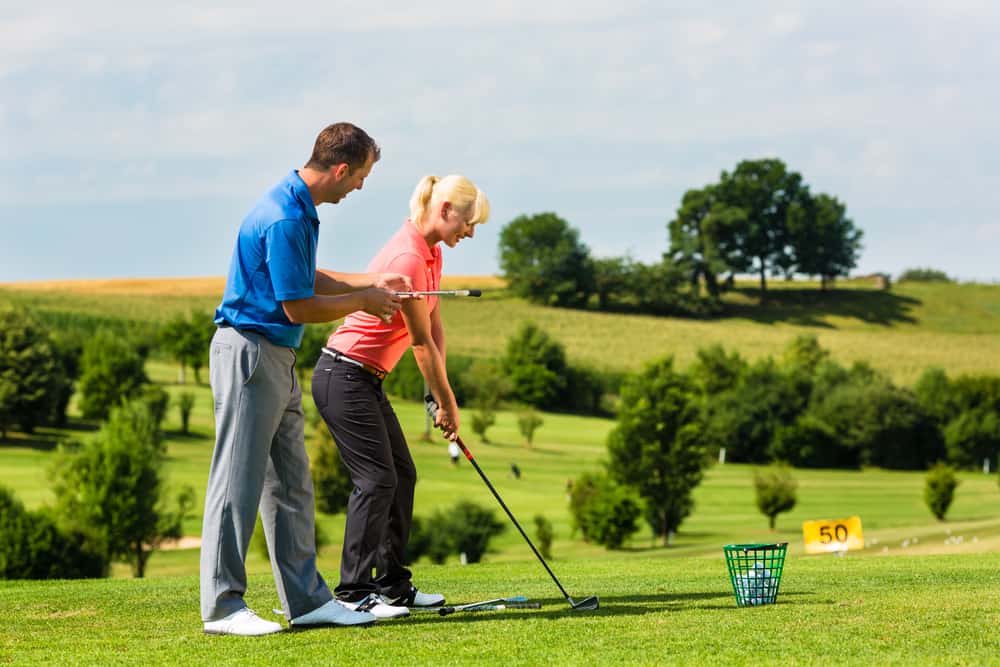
<point x="836" y="535"/>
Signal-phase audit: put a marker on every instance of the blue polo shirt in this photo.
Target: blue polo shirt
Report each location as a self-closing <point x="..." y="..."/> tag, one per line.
<point x="274" y="261"/>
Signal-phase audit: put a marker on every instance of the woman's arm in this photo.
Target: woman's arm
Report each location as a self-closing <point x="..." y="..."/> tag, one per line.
<point x="425" y="333"/>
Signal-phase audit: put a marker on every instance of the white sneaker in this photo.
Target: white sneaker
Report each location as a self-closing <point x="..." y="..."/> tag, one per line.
<point x="243" y="622"/>
<point x="414" y="598"/>
<point x="332" y="613"/>
<point x="377" y="605"/>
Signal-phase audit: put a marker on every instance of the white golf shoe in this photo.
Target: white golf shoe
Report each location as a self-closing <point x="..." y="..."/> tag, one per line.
<point x="415" y="598"/>
<point x="244" y="623"/>
<point x="375" y="604"/>
<point x="333" y="612"/>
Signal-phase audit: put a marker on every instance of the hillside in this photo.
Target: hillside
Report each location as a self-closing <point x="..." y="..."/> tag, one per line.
<point x="901" y="331"/>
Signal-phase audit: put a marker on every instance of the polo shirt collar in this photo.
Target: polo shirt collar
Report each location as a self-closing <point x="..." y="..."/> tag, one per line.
<point x="301" y="192"/>
<point x="417" y="240"/>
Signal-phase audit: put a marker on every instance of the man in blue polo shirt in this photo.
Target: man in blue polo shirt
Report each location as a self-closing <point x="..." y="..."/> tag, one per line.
<point x="272" y="289"/>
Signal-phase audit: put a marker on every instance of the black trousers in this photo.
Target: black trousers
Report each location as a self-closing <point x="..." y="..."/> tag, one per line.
<point x="380" y="509"/>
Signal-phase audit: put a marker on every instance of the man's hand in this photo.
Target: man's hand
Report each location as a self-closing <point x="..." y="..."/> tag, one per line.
<point x="381" y="302"/>
<point x="395" y="282"/>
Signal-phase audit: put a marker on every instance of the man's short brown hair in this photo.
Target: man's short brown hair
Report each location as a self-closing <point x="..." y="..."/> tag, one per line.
<point x="343" y="143"/>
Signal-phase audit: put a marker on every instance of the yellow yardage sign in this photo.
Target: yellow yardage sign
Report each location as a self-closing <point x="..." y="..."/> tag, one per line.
<point x="837" y="535"/>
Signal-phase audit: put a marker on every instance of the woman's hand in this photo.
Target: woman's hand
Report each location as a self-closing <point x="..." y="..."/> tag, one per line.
<point x="447" y="421"/>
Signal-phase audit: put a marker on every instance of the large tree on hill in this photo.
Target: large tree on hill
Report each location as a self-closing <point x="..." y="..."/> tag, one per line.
<point x="759" y="241"/>
<point x="695" y="233"/>
<point x="824" y="241"/>
<point x="543" y="260"/>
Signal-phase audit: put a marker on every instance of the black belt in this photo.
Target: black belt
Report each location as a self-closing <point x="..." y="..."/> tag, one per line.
<point x="368" y="368"/>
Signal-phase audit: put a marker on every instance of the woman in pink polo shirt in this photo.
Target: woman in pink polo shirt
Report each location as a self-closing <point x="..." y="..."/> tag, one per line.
<point x="347" y="389"/>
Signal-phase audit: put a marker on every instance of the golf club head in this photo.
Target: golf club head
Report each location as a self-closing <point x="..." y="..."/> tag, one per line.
<point x="586" y="604"/>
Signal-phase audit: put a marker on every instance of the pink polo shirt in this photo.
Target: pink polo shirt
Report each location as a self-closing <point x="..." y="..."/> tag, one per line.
<point x="372" y="340"/>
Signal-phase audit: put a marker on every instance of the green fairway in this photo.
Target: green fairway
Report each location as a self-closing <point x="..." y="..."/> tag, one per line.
<point x="926" y="610"/>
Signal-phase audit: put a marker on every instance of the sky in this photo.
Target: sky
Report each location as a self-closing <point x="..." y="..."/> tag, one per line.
<point x="134" y="137"/>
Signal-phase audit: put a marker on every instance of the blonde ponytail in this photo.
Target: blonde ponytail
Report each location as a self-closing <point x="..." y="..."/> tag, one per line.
<point x="421" y="198"/>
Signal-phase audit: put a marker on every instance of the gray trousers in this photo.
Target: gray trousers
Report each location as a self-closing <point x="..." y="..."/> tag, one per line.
<point x="259" y="460"/>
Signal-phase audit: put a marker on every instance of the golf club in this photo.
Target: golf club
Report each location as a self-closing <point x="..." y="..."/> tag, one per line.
<point x="444" y="611"/>
<point x="471" y="605"/>
<point x="448" y="292"/>
<point x="586" y="604"/>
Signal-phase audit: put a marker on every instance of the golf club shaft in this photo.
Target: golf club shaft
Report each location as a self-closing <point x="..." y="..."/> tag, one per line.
<point x="450" y="292"/>
<point x="475" y="464"/>
<point x="445" y="611"/>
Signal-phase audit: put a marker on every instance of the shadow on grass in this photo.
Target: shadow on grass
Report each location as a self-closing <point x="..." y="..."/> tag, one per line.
<point x="807" y="307"/>
<point x="520" y="447"/>
<point x="611" y="605"/>
<point x="46" y="438"/>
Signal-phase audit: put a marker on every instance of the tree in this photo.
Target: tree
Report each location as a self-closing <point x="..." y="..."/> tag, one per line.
<point x="188" y="339"/>
<point x="487" y="387"/>
<point x="775" y="492"/>
<point x="611" y="280"/>
<point x="112" y="371"/>
<point x="926" y="275"/>
<point x="185" y="404"/>
<point x="824" y="241"/>
<point x="759" y="241"/>
<point x="30" y="372"/>
<point x="939" y="489"/>
<point x="656" y="446"/>
<point x="544" y="261"/>
<point x="112" y="486"/>
<point x="314" y="339"/>
<point x="528" y="422"/>
<point x="544" y="535"/>
<point x="701" y="222"/>
<point x="535" y="366"/>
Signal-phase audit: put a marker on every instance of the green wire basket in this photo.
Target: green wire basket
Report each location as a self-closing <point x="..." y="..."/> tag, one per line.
<point x="755" y="572"/>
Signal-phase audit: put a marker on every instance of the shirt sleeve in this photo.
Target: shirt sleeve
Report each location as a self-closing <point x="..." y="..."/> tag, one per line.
<point x="412" y="265"/>
<point x="291" y="260"/>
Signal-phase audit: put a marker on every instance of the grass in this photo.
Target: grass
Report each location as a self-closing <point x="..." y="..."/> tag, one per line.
<point x="927" y="610"/>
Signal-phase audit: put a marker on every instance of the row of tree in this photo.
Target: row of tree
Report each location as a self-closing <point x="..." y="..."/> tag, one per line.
<point x="804" y="410"/>
<point x="760" y="218"/>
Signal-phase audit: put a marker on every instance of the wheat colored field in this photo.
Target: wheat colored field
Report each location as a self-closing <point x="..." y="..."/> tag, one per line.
<point x="901" y="331"/>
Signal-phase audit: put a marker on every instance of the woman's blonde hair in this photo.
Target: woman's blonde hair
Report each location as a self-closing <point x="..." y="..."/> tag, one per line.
<point x="458" y="190"/>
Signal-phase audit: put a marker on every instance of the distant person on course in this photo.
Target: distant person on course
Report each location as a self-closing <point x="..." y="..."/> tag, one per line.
<point x="347" y="390"/>
<point x="273" y="287"/>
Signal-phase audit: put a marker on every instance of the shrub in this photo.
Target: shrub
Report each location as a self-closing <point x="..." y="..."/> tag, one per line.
<point x="925" y="275"/>
<point x="157" y="400"/>
<point x="812" y="443"/>
<point x="465" y="528"/>
<point x="973" y="436"/>
<point x="112" y="370"/>
<point x="604" y="511"/>
<point x="258" y="542"/>
<point x="544" y="535"/>
<point x="775" y="492"/>
<point x="35" y="547"/>
<point x="331" y="478"/>
<point x="535" y="365"/>
<point x="419" y="542"/>
<point x="528" y="421"/>
<point x="482" y="420"/>
<point x="939" y="489"/>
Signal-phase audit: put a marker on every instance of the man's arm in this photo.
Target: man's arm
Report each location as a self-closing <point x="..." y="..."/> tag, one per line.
<point x="430" y="360"/>
<point x="322" y="308"/>
<point x="332" y="283"/>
